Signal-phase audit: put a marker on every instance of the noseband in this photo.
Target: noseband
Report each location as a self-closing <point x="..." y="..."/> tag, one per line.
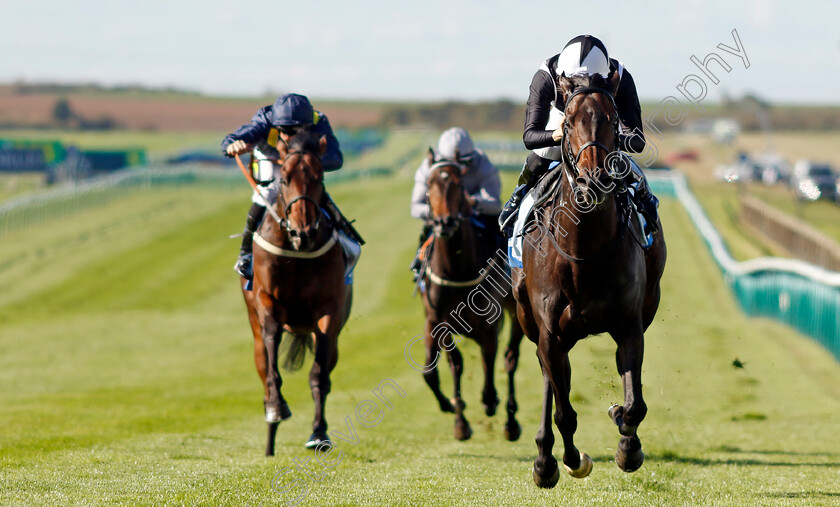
<point x="572" y="159"/>
<point x="446" y="226"/>
<point x="284" y="221"/>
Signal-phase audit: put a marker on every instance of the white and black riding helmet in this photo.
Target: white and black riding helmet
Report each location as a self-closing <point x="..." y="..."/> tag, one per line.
<point x="583" y="55"/>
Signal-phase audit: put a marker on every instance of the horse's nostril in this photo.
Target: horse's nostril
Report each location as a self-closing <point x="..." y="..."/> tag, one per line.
<point x="582" y="181"/>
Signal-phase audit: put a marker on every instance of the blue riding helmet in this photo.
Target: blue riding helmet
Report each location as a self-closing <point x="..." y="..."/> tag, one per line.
<point x="292" y="110"/>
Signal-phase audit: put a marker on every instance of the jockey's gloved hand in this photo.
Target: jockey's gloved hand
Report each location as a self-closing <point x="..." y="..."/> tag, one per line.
<point x="238" y="147"/>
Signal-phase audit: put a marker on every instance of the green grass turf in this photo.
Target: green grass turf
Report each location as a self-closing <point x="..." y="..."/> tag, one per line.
<point x="127" y="379"/>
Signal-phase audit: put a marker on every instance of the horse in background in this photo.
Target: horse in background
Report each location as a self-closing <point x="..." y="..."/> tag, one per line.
<point x="585" y="271"/>
<point x="299" y="284"/>
<point x="467" y="291"/>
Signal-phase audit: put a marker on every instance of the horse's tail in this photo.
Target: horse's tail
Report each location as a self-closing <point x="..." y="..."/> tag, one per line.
<point x="295" y="347"/>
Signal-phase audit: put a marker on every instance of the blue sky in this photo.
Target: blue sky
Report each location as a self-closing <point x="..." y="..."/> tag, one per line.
<point x="416" y="50"/>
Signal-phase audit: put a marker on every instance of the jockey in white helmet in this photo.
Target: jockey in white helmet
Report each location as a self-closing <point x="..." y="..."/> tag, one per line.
<point x="583" y="55"/>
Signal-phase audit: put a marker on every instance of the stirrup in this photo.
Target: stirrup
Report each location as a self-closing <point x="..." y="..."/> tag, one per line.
<point x="506" y="217"/>
<point x="244" y="266"/>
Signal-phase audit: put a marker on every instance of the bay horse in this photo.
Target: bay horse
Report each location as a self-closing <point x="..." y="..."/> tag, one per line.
<point x="467" y="292"/>
<point x="585" y="272"/>
<point x="298" y="285"/>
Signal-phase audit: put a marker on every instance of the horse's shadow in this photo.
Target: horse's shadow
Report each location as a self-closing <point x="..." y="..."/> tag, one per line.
<point x="672" y="457"/>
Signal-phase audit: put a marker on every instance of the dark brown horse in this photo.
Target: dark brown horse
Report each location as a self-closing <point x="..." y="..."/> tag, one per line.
<point x="299" y="286"/>
<point x="467" y="292"/>
<point x="585" y="272"/>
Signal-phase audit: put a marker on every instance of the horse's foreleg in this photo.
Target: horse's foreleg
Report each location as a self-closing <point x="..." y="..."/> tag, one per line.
<point x="512" y="428"/>
<point x="489" y="398"/>
<point x="546" y="473"/>
<point x="261" y="361"/>
<point x="260" y="353"/>
<point x="326" y="357"/>
<point x="456" y="364"/>
<point x="629" y="456"/>
<point x="577" y="463"/>
<point x="430" y="372"/>
<point x="276" y="408"/>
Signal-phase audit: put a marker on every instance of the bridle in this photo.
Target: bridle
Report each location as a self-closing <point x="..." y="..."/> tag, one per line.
<point x="283" y="182"/>
<point x="447" y="226"/>
<point x="571" y="162"/>
<point x="573" y="158"/>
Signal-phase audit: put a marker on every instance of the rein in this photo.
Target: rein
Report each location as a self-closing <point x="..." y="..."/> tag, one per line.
<point x="453" y="222"/>
<point x="450" y="223"/>
<point x="283" y="221"/>
<point x="581" y="260"/>
<point x="570" y="166"/>
<point x="573" y="158"/>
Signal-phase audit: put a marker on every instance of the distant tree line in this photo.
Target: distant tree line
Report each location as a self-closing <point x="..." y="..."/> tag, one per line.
<point x="65" y="117"/>
<point x="491" y="115"/>
<point x="24" y="88"/>
<point x="750" y="111"/>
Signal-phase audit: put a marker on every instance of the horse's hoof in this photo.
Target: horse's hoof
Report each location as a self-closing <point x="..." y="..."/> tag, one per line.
<point x="583" y="470"/>
<point x="490" y="408"/>
<point x="318" y="439"/>
<point x="512" y="431"/>
<point x="277" y="414"/>
<point x="463" y="431"/>
<point x="629" y="456"/>
<point x="547" y="480"/>
<point x="446" y="406"/>
<point x="458" y="404"/>
<point x="616" y="413"/>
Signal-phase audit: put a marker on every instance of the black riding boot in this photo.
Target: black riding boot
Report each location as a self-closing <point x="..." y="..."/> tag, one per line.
<point x="506" y="217"/>
<point x="244" y="263"/>
<point x="646" y="201"/>
<point x="535" y="166"/>
<point x="416" y="264"/>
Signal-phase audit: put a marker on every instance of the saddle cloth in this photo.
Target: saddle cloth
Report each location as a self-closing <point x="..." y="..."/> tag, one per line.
<point x="545" y="186"/>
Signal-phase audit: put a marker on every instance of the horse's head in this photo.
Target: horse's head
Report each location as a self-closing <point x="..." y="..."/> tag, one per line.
<point x="301" y="185"/>
<point x="448" y="203"/>
<point x="590" y="133"/>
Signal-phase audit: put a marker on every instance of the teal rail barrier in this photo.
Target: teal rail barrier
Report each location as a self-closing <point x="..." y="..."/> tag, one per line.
<point x="802" y="295"/>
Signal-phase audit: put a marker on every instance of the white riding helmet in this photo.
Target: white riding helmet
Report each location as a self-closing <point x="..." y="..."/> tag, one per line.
<point x="583" y="55"/>
<point x="454" y="139"/>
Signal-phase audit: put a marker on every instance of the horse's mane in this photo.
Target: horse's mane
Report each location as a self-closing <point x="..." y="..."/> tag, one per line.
<point x="304" y="139"/>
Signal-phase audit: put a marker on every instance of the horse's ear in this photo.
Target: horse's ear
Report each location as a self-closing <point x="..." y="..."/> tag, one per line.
<point x="565" y="87"/>
<point x="430" y="156"/>
<point x="322" y="146"/>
